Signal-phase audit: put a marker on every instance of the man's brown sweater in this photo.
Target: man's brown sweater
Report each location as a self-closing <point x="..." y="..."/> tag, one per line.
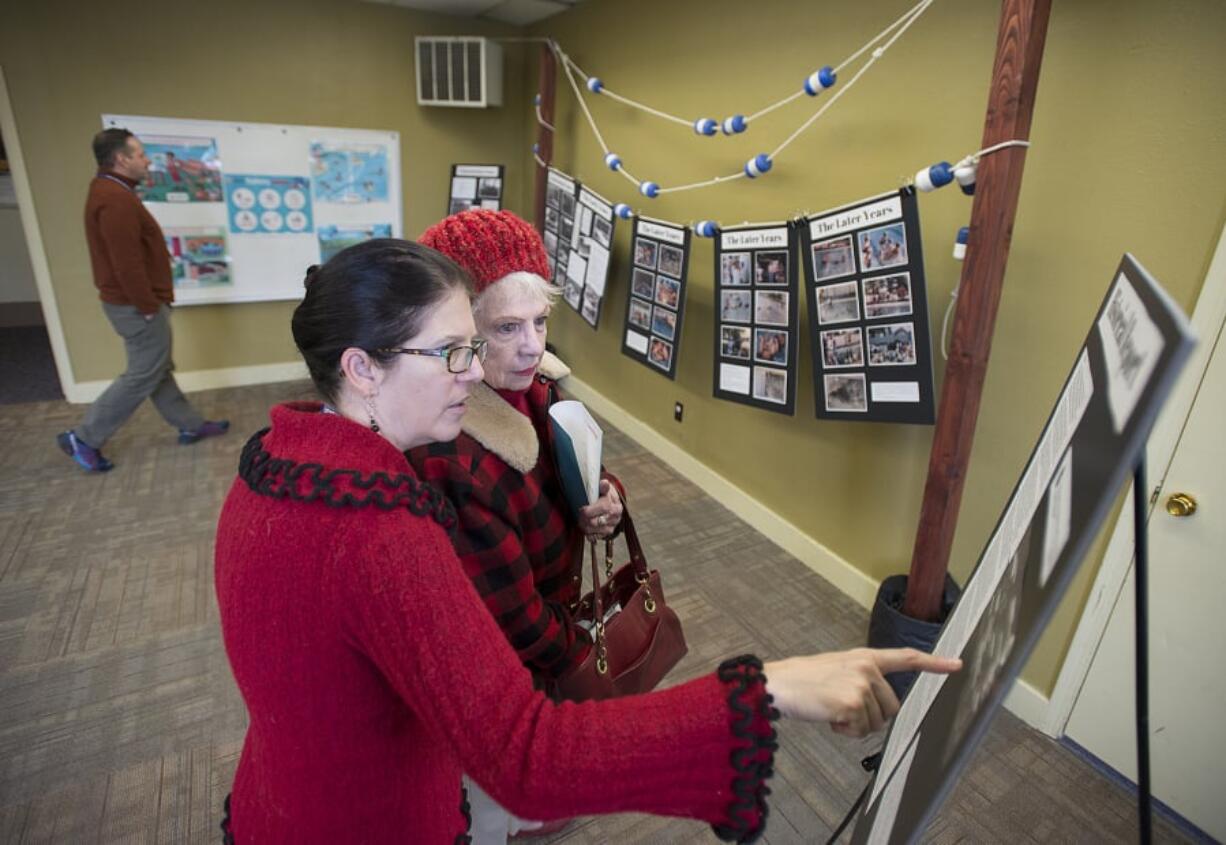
<point x="126" y="246"/>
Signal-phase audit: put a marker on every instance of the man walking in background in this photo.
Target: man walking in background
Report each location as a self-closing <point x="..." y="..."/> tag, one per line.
<point x="131" y="266"/>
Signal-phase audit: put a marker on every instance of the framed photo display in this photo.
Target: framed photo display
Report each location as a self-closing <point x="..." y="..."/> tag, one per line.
<point x="756" y="317"/>
<point x="1094" y="437"/>
<point x="585" y="268"/>
<point x="868" y="311"/>
<point x="560" y="198"/>
<point x="655" y="305"/>
<point x="475" y="186"/>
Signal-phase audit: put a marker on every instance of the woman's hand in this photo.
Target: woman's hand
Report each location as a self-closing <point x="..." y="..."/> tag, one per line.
<point x="847" y="688"/>
<point x="600" y="518"/>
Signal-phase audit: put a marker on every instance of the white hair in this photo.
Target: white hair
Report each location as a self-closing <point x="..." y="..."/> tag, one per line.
<point x="518" y="285"/>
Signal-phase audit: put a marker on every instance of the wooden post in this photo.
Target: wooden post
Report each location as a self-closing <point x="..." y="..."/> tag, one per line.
<point x="1015" y="77"/>
<point x="544" y="136"/>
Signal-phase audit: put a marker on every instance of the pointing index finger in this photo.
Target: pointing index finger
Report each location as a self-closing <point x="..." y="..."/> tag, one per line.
<point x="912" y="660"/>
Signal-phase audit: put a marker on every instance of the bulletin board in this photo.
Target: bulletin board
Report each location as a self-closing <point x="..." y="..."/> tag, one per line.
<point x="247" y="207"/>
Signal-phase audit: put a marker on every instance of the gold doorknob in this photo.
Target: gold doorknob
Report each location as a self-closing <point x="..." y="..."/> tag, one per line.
<point x="1180" y="504"/>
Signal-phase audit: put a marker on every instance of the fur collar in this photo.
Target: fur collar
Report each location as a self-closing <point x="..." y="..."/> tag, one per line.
<point x="493" y="423"/>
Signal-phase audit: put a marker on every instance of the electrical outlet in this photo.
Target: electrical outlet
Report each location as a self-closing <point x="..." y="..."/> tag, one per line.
<point x="678" y="410"/>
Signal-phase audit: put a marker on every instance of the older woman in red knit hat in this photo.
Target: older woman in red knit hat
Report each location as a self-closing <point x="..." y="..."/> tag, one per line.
<point x="517" y="538"/>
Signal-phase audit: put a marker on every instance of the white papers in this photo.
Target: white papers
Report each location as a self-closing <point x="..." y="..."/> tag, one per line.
<point x="586" y="439"/>
<point x="1131" y="346"/>
<point x="597" y="268"/>
<point x="636" y="341"/>
<point x="1059" y="516"/>
<point x="464" y="188"/>
<point x="734" y="378"/>
<point x="576" y="268"/>
<point x="895" y="391"/>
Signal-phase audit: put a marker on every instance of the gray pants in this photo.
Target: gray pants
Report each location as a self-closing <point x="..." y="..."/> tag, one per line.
<point x="147" y="344"/>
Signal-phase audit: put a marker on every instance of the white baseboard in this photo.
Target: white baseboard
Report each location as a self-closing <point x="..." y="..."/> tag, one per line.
<point x="87" y="391"/>
<point x="1024" y="701"/>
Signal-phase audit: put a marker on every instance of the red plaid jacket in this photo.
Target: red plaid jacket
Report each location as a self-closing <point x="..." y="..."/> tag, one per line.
<point x="517" y="538"/>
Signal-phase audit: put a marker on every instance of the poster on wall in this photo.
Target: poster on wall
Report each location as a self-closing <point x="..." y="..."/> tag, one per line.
<point x="198" y="256"/>
<point x="587" y="259"/>
<point x="655" y="303"/>
<point x="1093" y="439"/>
<point x="181" y="169"/>
<point x="560" y="199"/>
<point x="756" y="317"/>
<point x="475" y="186"/>
<point x="247" y="207"/>
<point x="347" y="173"/>
<point x="268" y="204"/>
<point x="868" y="311"/>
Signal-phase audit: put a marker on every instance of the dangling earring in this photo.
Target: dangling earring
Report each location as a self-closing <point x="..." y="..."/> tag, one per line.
<point x="370" y="412"/>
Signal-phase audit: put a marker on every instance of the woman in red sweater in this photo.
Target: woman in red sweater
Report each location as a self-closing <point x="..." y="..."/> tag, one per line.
<point x="372" y="672"/>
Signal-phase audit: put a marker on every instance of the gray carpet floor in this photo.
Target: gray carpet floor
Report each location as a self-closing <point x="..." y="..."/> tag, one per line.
<point x="120" y="722"/>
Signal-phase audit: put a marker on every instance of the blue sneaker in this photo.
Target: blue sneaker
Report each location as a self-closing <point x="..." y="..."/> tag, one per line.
<point x="86" y="456"/>
<point x="210" y="428"/>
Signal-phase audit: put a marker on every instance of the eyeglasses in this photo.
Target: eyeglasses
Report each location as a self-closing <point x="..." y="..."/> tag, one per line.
<point x="459" y="358"/>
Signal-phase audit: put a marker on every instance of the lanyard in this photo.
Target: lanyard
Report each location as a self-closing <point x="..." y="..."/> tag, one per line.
<point x="119" y="181"/>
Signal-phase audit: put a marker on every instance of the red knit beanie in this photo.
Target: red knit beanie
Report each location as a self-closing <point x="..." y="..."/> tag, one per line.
<point x="489" y="245"/>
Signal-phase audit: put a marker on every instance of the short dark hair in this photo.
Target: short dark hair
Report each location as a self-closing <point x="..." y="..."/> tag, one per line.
<point x="372" y="296"/>
<point x="107" y="143"/>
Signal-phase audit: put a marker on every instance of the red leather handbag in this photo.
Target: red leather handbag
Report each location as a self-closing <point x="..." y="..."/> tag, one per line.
<point x="636" y="646"/>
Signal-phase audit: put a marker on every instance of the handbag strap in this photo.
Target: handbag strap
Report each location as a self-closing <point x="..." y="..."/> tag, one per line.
<point x="637" y="559"/>
<point x="598" y="638"/>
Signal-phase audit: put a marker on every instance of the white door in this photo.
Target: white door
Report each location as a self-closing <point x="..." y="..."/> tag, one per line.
<point x="1187" y="637"/>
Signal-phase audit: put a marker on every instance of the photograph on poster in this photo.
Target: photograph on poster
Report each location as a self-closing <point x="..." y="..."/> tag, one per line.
<point x="602" y="231"/>
<point x="885" y="246"/>
<point x="565" y="229"/>
<point x="645" y="253"/>
<point x="585" y="246"/>
<point x="670" y="260"/>
<point x="770" y="268"/>
<point x="198" y="257"/>
<point x="591" y="305"/>
<point x="553" y="196"/>
<point x="660" y="353"/>
<point x="734" y="342"/>
<point x="770" y="346"/>
<point x="891" y="345"/>
<point x="491" y="205"/>
<point x="572" y="292"/>
<point x="640" y="313"/>
<point x="842" y="348"/>
<point x="332" y="239"/>
<point x="568" y="204"/>
<point x="551" y="242"/>
<point x="887" y="296"/>
<point x="734" y="269"/>
<point x="181" y="170"/>
<point x="771" y="307"/>
<point x="734" y="306"/>
<point x="458" y="205"/>
<point x="463" y="187"/>
<point x="643" y="283"/>
<point x="668" y="291"/>
<point x="350" y="174"/>
<point x="551" y="218"/>
<point x="839" y="303"/>
<point x="770" y="385"/>
<point x="833" y="258"/>
<point x="490" y="189"/>
<point x="845" y="392"/>
<point x="664" y="322"/>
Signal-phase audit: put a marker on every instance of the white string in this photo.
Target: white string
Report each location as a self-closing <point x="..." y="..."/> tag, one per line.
<point x="539" y="160"/>
<point x="919" y="9"/>
<point x="541" y="120"/>
<point x="953" y="299"/>
<point x="740" y="174"/>
<point x="973" y="158"/>
<point x="607" y="93"/>
<point x="582" y="102"/>
<point x="879" y="36"/>
<point x="777" y="105"/>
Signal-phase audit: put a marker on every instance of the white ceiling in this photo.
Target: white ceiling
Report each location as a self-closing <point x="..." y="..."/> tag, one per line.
<point x="515" y="12"/>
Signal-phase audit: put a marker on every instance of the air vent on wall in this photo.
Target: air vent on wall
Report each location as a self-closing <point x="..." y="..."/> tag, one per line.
<point x="458" y="71"/>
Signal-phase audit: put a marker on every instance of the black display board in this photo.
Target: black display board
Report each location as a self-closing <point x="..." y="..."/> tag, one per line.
<point x="756" y="323"/>
<point x="475" y="186"/>
<point x="1093" y="439"/>
<point x="586" y="262"/>
<point x="868" y="311"/>
<point x="561" y="194"/>
<point x="655" y="303"/>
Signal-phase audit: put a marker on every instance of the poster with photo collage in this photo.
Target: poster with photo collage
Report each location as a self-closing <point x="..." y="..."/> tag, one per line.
<point x="756" y="317"/>
<point x="560" y="199"/>
<point x="868" y="311"/>
<point x="586" y="262"/>
<point x="475" y="186"/>
<point x="655" y="305"/>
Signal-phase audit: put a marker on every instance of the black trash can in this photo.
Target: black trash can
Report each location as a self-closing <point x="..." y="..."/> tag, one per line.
<point x="889" y="627"/>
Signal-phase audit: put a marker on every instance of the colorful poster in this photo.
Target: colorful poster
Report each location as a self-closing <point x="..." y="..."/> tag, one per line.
<point x="332" y="239"/>
<point x="268" y="204"/>
<point x="349" y="174"/>
<point x="181" y="169"/>
<point x="198" y="257"/>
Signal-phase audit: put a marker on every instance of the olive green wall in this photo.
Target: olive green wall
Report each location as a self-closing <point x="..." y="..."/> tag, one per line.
<point x="315" y="62"/>
<point x="1127" y="155"/>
